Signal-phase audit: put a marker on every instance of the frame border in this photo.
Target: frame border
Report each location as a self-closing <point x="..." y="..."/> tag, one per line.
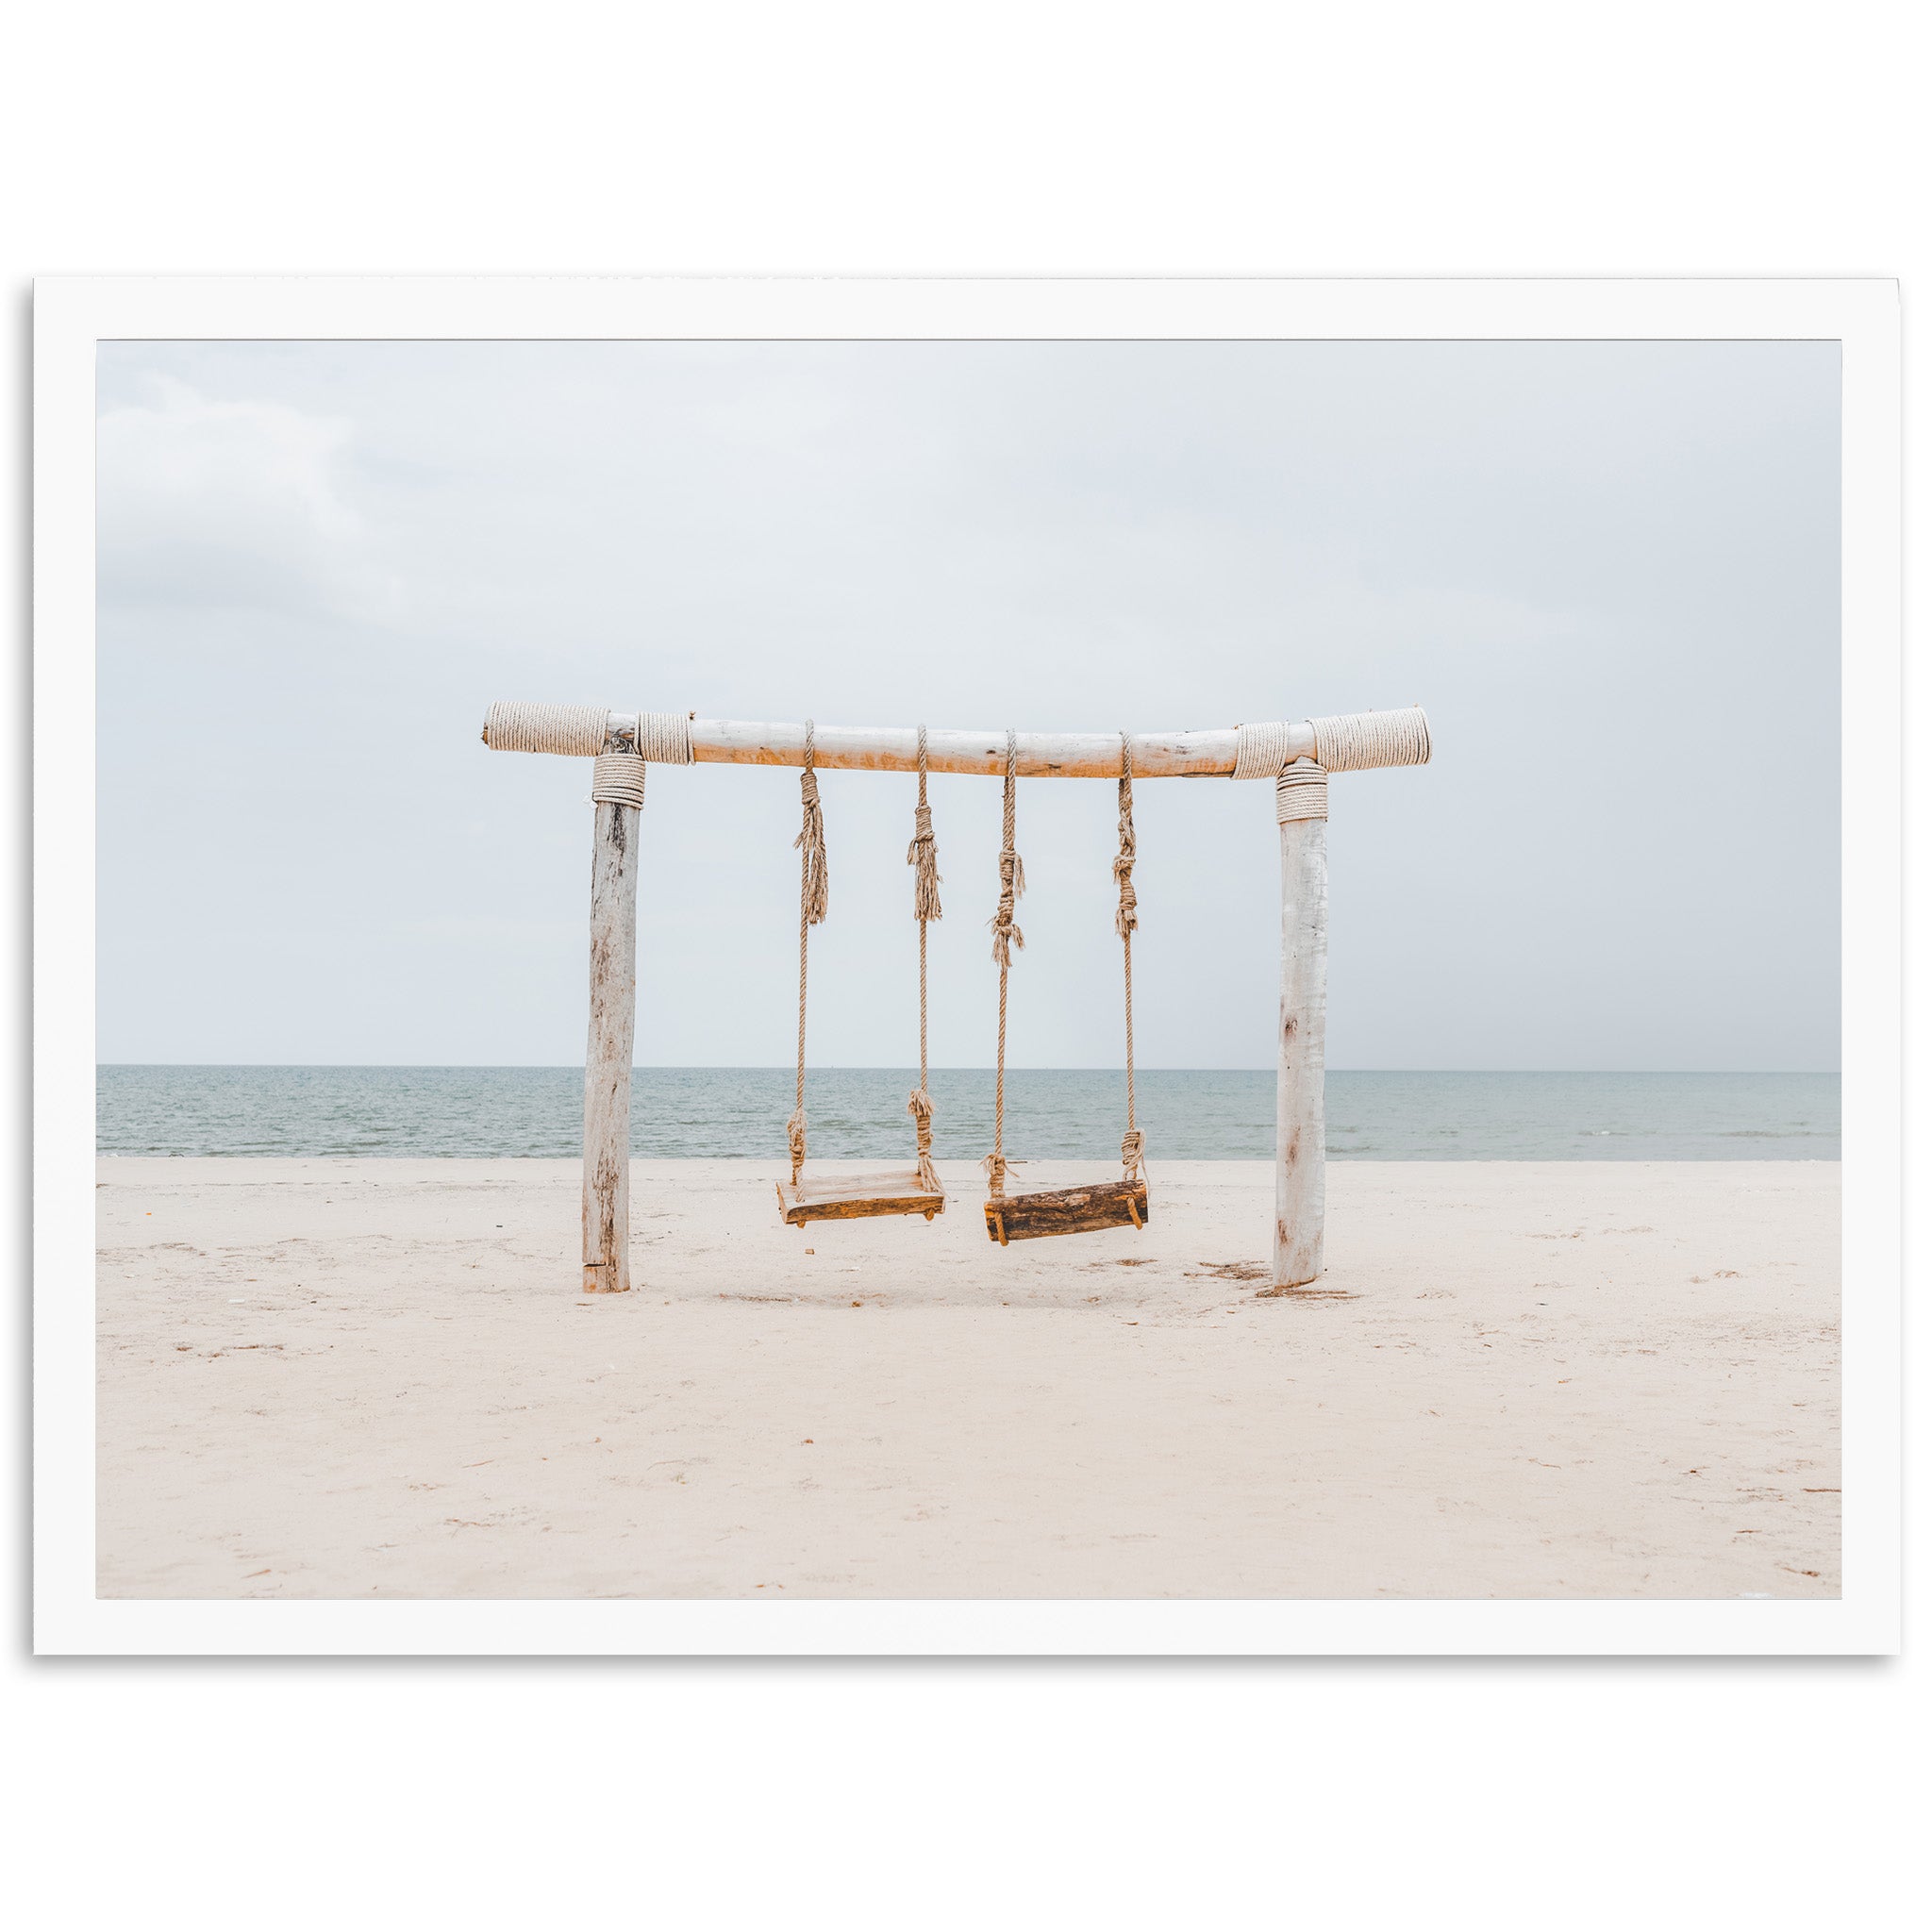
<point x="72" y="314"/>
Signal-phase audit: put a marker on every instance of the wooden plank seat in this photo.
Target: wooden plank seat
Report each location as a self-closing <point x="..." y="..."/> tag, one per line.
<point x="853" y="1196"/>
<point x="1066" y="1210"/>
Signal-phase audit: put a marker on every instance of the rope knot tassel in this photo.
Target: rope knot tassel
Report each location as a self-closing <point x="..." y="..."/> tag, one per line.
<point x="922" y="854"/>
<point x="814" y="885"/>
<point x="1006" y="934"/>
<point x="918" y="1105"/>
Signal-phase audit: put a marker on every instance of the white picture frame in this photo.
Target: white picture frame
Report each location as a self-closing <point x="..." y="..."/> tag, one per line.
<point x="74" y="314"/>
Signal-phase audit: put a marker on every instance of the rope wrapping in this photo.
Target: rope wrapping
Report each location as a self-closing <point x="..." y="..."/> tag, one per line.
<point x="664" y="736"/>
<point x="813" y="891"/>
<point x="1301" y="792"/>
<point x="570" y="730"/>
<point x="1261" y="750"/>
<point x="616" y="777"/>
<point x="1357" y="741"/>
<point x="1369" y="740"/>
<point x="578" y="731"/>
<point x="923" y="857"/>
<point x="1126" y="917"/>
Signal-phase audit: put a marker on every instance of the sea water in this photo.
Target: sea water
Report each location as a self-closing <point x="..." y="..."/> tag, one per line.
<point x="859" y="1112"/>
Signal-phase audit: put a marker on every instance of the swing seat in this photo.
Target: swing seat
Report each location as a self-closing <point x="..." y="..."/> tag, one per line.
<point x="854" y="1196"/>
<point x="1066" y="1210"/>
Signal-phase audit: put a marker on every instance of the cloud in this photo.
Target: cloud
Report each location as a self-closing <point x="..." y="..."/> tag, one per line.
<point x="230" y="504"/>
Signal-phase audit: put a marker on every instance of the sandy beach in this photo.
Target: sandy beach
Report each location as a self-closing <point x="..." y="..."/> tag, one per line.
<point x="354" y="1378"/>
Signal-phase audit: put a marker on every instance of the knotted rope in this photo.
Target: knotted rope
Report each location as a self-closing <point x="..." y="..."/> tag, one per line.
<point x="1300" y="792"/>
<point x="812" y="891"/>
<point x="923" y="857"/>
<point x="810" y="842"/>
<point x="1127" y="917"/>
<point x="1006" y="936"/>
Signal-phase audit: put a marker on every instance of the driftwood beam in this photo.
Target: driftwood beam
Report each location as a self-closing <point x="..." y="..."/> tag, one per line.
<point x="890" y="748"/>
<point x="1354" y="741"/>
<point x="977" y="754"/>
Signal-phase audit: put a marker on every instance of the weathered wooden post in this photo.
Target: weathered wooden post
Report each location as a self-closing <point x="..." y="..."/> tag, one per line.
<point x="1299" y="758"/>
<point x="617" y="791"/>
<point x="1301" y="809"/>
<point x="620" y="743"/>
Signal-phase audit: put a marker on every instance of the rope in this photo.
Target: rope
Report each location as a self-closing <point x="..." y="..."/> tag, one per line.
<point x="1301" y="792"/>
<point x="923" y="855"/>
<point x="616" y="777"/>
<point x="810" y="844"/>
<point x="572" y="730"/>
<point x="1368" y="739"/>
<point x="1359" y="741"/>
<point x="1006" y="936"/>
<point x="578" y="731"/>
<point x="1261" y="750"/>
<point x="664" y="736"/>
<point x="1125" y="919"/>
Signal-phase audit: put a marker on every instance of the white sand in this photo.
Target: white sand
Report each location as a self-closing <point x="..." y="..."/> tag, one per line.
<point x="346" y="1378"/>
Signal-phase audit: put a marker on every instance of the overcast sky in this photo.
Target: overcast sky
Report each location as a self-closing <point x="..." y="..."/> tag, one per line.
<point x="1608" y="571"/>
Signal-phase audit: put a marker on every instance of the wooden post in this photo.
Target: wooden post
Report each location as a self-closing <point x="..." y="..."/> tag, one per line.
<point x="1300" y="1153"/>
<point x="606" y="1059"/>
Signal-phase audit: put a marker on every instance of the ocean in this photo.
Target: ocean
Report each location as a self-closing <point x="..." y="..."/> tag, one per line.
<point x="859" y="1112"/>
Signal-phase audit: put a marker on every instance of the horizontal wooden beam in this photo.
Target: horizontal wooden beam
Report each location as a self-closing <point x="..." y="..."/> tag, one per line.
<point x="981" y="754"/>
<point x="1354" y="741"/>
<point x="1040" y="753"/>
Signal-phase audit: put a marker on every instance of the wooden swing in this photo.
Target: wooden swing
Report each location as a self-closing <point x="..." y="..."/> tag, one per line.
<point x="1106" y="1204"/>
<point x="901" y="1190"/>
